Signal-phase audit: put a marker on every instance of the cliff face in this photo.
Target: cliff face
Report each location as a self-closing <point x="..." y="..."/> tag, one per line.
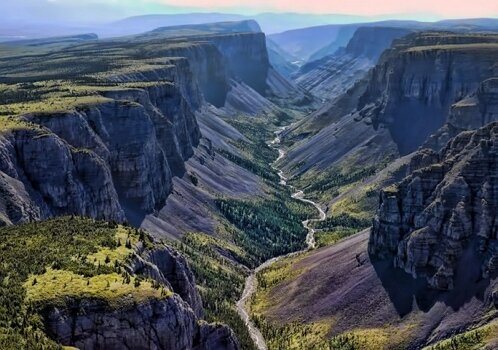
<point x="370" y="42"/>
<point x="444" y="214"/>
<point x="246" y="58"/>
<point x="43" y="176"/>
<point x="413" y="87"/>
<point x="115" y="158"/>
<point x="472" y="112"/>
<point x="103" y="158"/>
<point x="166" y="323"/>
<point x="331" y="75"/>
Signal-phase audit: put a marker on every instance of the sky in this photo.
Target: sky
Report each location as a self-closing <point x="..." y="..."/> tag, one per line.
<point x="100" y="10"/>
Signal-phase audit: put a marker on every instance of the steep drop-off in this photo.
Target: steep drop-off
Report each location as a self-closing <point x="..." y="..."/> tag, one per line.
<point x="443" y="214"/>
<point x="332" y="75"/>
<point x="89" y="284"/>
<point x="414" y="85"/>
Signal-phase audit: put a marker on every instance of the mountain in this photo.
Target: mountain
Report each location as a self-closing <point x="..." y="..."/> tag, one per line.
<point x="414" y="149"/>
<point x="401" y="95"/>
<point x="302" y="43"/>
<point x="204" y="186"/>
<point x="270" y="22"/>
<point x="330" y="76"/>
<point x="439" y="221"/>
<point x="425" y="99"/>
<point x="284" y="63"/>
<point x="161" y="135"/>
<point x="142" y="24"/>
<point x="313" y="43"/>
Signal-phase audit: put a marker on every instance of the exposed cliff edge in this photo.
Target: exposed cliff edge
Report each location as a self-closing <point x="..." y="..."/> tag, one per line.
<point x="444" y="212"/>
<point x="415" y="83"/>
<point x="471" y="112"/>
<point x="112" y="151"/>
<point x="332" y="75"/>
<point x="98" y="160"/>
<point x="158" y="323"/>
<point x="93" y="284"/>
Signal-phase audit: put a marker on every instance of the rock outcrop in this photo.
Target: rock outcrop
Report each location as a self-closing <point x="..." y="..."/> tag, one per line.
<point x="114" y="158"/>
<point x="43" y="176"/>
<point x="445" y="210"/>
<point x="170" y="323"/>
<point x="471" y="112"/>
<point x="170" y="268"/>
<point x="332" y="75"/>
<point x="415" y="83"/>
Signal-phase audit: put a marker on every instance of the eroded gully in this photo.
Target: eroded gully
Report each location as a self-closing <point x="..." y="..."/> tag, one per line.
<point x="251" y="281"/>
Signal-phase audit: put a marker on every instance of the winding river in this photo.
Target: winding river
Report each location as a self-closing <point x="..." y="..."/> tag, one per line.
<point x="251" y="281"/>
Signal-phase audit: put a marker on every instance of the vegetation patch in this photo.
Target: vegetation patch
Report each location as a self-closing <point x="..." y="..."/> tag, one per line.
<point x="474" y="339"/>
<point x="297" y="335"/>
<point x="12" y="124"/>
<point x="47" y="263"/>
<point x="279" y="272"/>
<point x="333" y="235"/>
<point x="55" y="286"/>
<point x="268" y="227"/>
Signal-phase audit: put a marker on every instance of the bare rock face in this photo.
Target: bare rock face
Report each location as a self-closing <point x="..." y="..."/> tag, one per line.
<point x="167" y="266"/>
<point x="416" y="82"/>
<point x="46" y="177"/>
<point x="329" y="76"/>
<point x="168" y="323"/>
<point x="472" y="112"/>
<point x="444" y="210"/>
<point x="246" y="58"/>
<point x="98" y="160"/>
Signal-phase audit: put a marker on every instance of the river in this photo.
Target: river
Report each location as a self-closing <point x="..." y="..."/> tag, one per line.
<point x="251" y="281"/>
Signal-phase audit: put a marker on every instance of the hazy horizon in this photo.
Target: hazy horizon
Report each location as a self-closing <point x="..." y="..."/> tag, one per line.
<point x="94" y="11"/>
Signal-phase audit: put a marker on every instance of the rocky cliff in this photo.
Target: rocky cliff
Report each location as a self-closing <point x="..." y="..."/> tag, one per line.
<point x="414" y="85"/>
<point x="474" y="111"/>
<point x="97" y="285"/>
<point x="155" y="324"/>
<point x="97" y="160"/>
<point x="163" y="323"/>
<point x="443" y="215"/>
<point x="113" y="156"/>
<point x="330" y="76"/>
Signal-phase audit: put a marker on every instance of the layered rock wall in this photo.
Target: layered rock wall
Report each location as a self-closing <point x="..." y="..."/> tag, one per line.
<point x="444" y="210"/>
<point x="170" y="323"/>
<point x="114" y="159"/>
<point x="413" y="87"/>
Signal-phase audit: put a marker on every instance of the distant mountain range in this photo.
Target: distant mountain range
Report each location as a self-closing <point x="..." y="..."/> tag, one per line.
<point x="270" y="23"/>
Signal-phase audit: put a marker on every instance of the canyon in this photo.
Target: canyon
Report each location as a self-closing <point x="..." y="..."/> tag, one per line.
<point x="425" y="271"/>
<point x="139" y="173"/>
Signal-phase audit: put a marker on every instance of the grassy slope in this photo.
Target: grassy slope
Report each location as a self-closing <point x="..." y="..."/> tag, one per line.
<point x="51" y="262"/>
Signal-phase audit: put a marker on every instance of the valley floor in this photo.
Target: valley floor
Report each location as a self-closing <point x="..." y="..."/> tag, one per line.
<point x="365" y="304"/>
